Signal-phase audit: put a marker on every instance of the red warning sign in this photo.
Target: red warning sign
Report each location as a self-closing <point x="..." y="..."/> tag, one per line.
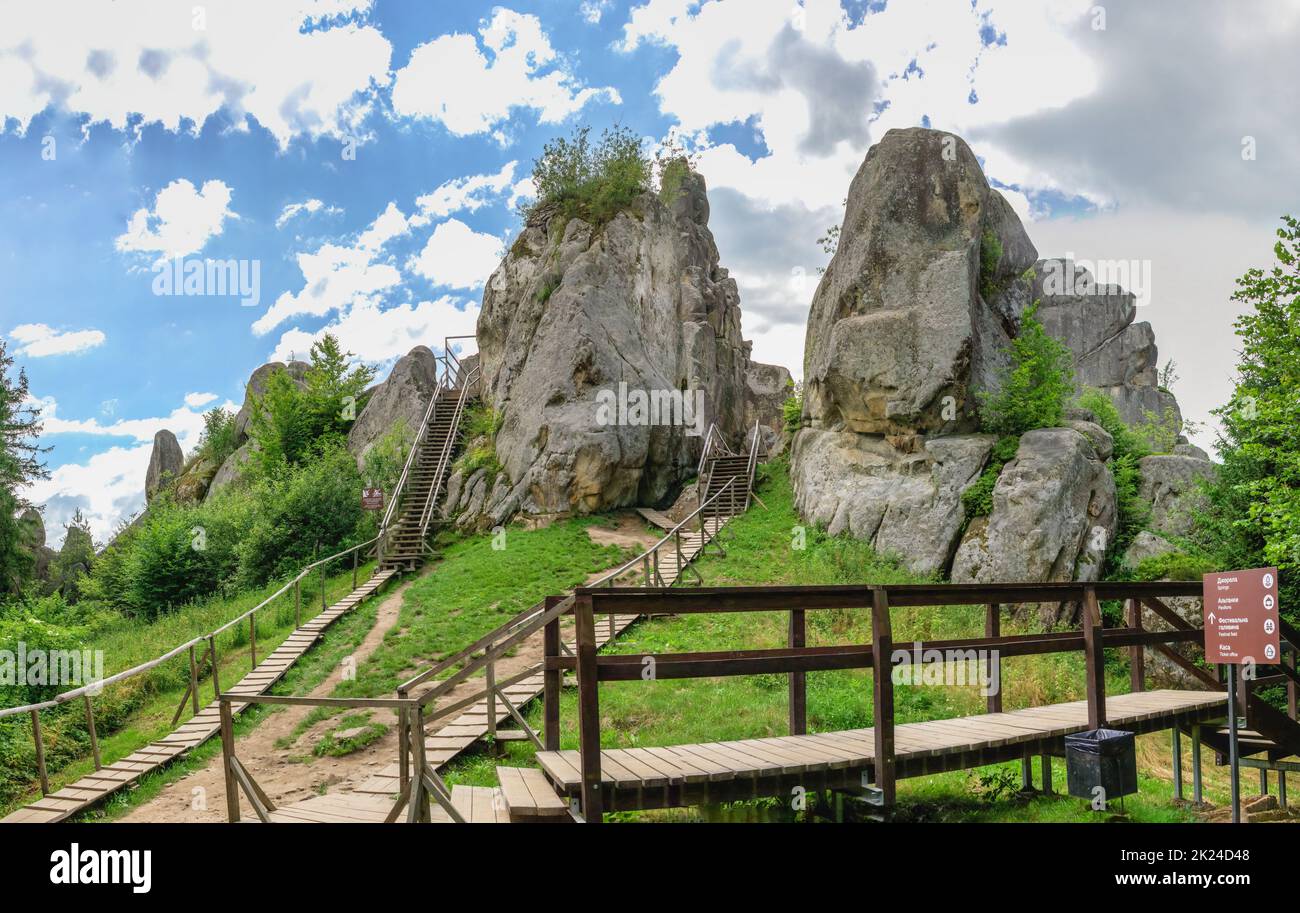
<point x="1240" y="609"/>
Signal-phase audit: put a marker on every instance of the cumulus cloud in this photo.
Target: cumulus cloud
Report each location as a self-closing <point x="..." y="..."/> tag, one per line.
<point x="310" y="207"/>
<point x="298" y="68"/>
<point x="37" y="340"/>
<point x="380" y="335"/>
<point x="465" y="194"/>
<point x="457" y="256"/>
<point x="337" y="275"/>
<point x="182" y="221"/>
<point x="199" y="400"/>
<point x="471" y="89"/>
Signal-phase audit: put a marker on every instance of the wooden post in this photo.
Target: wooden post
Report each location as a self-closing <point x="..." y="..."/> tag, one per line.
<point x="419" y="795"/>
<point x="354" y="568"/>
<point x="1047" y="774"/>
<point x="297" y="603"/>
<point x="322" y="582"/>
<point x="403" y="745"/>
<point x="552" y="680"/>
<point x="40" y="752"/>
<point x="1094" y="659"/>
<point x="227" y="755"/>
<point x="798" y="680"/>
<point x="1027" y="773"/>
<point x="1290" y="686"/>
<point x="645" y="570"/>
<point x="90" y="726"/>
<point x="1196" y="764"/>
<point x="490" y="682"/>
<point x="216" y="676"/>
<point x="252" y="639"/>
<point x="588" y="710"/>
<point x="993" y="628"/>
<point x="1136" y="653"/>
<point x="882" y="645"/>
<point x="194" y="681"/>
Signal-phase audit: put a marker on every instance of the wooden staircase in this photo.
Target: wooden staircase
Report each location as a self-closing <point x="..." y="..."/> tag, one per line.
<point x="407" y="545"/>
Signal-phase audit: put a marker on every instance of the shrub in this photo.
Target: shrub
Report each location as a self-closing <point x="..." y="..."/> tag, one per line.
<point x="591" y="182"/>
<point x="792" y="410"/>
<point x="384" y="460"/>
<point x="1035" y="386"/>
<point x="990" y="258"/>
<point x="219" y="439"/>
<point x="481" y="425"/>
<point x="978" y="499"/>
<point x="1173" y="566"/>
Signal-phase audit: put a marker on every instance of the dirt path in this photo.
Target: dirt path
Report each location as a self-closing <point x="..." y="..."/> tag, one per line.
<point x="293" y="773"/>
<point x="285" y="774"/>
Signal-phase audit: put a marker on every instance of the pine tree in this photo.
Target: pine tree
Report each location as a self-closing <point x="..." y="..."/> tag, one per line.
<point x="20" y="464"/>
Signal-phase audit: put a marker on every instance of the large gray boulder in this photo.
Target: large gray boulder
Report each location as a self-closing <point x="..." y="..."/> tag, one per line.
<point x="402" y="397"/>
<point x="1111" y="352"/>
<point x="1171" y="485"/>
<point x="900" y="334"/>
<point x="905" y="504"/>
<point x="1053" y="515"/>
<point x="165" y="463"/>
<point x="230" y="471"/>
<point x="767" y="387"/>
<point x="580" y="319"/>
<point x="256" y="387"/>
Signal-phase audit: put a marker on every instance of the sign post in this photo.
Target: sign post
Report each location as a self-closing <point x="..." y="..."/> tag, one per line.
<point x="1240" y="609"/>
<point x="372" y="499"/>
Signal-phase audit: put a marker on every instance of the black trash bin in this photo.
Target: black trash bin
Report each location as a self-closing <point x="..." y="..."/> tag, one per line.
<point x="1105" y="758"/>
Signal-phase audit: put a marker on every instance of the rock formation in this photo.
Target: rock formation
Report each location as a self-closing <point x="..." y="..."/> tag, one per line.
<point x="165" y="463"/>
<point x="608" y="350"/>
<point x="1170" y="483"/>
<point x="1111" y="352"/>
<point x="767" y="387"/>
<point x="402" y="397"/>
<point x="912" y="316"/>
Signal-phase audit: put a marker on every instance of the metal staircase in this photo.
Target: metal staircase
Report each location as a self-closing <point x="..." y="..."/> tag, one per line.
<point x="404" y="530"/>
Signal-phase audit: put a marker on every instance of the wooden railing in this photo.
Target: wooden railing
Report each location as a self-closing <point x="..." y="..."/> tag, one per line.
<point x="87" y="692"/>
<point x="797" y="659"/>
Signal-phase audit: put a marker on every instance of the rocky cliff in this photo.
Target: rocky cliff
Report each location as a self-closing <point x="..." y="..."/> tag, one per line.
<point x="910" y="323"/>
<point x="608" y="350"/>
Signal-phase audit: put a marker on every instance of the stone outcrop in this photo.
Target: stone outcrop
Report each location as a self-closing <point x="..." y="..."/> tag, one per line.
<point x="402" y="397"/>
<point x="1171" y="485"/>
<point x="256" y="387"/>
<point x="165" y="463"/>
<point x="231" y="470"/>
<point x="608" y="350"/>
<point x="1111" y="352"/>
<point x="1053" y="516"/>
<point x="767" y="387"/>
<point x="913" y="316"/>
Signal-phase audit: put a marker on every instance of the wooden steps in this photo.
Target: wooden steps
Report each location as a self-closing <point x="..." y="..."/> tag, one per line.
<point x="529" y="796"/>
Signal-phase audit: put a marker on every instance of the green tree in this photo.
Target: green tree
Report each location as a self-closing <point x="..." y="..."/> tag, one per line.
<point x="593" y="181"/>
<point x="1036" y="384"/>
<point x="218" y="439"/>
<point x="1253" y="514"/>
<point x="20" y="464"/>
<point x="75" y="558"/>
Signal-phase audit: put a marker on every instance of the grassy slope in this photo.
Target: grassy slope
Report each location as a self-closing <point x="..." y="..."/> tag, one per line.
<point x="759" y="550"/>
<point x="145" y="704"/>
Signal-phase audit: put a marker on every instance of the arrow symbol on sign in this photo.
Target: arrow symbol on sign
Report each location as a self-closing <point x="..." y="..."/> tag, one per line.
<point x="1211" y="618"/>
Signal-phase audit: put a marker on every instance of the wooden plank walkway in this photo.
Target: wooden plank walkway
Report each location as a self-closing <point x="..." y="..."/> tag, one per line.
<point x="96" y="786"/>
<point x="677" y="775"/>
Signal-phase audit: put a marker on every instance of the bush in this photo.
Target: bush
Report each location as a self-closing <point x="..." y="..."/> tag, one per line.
<point x="990" y="258"/>
<point x="219" y="438"/>
<point x="978" y="499"/>
<point x="481" y="425"/>
<point x="1174" y="566"/>
<point x="591" y="182"/>
<point x="1034" y="387"/>
<point x="792" y="410"/>
<point x="383" y="462"/>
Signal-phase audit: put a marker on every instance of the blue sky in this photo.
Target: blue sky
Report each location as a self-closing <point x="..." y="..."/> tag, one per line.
<point x="367" y="156"/>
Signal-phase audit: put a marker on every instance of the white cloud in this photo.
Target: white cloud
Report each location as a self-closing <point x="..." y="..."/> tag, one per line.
<point x="310" y="207"/>
<point x="593" y="10"/>
<point x="37" y="340"/>
<point x="467" y="194"/>
<point x="380" y="336"/>
<point x="199" y="400"/>
<point x="299" y="68"/>
<point x="182" y="221"/>
<point x="456" y="256"/>
<point x="186" y="422"/>
<point x="336" y="275"/>
<point x="471" y="90"/>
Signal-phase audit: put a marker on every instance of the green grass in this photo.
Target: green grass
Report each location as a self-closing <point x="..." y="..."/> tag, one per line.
<point x="761" y="548"/>
<point x="138" y="711"/>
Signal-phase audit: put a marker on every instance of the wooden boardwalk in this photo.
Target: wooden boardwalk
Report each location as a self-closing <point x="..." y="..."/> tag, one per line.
<point x="677" y="775"/>
<point x="96" y="786"/>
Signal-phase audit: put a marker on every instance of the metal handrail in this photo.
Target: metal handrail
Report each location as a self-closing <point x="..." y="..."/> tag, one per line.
<point x="752" y="465"/>
<point x="444" y="459"/>
<point x="410" y="459"/>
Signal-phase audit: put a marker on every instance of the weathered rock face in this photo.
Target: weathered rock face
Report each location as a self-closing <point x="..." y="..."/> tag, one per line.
<point x="898" y="323"/>
<point x="257" y="387"/>
<point x="1053" y="515"/>
<point x="905" y="504"/>
<point x="767" y="387"/>
<point x="1111" y="352"/>
<point x="231" y="470"/>
<point x="1170" y="483"/>
<point x="907" y="323"/>
<point x="165" y="463"/>
<point x="1146" y="544"/>
<point x="580" y="325"/>
<point x="402" y="397"/>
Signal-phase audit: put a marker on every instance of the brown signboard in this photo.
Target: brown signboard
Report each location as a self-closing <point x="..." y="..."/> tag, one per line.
<point x="1241" y="612"/>
<point x="372" y="499"/>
